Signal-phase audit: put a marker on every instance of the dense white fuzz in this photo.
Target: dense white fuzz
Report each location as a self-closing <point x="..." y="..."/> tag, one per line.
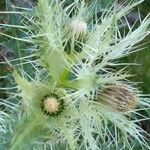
<point x="78" y="26"/>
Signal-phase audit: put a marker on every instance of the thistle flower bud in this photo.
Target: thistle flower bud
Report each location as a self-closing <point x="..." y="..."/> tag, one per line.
<point x="52" y="106"/>
<point x="118" y="97"/>
<point x="78" y="26"/>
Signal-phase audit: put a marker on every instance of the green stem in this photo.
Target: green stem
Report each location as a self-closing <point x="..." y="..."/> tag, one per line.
<point x="70" y="84"/>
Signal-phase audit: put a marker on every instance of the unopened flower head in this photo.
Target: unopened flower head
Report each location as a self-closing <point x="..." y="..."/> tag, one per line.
<point x="78" y="26"/>
<point x="118" y="97"/>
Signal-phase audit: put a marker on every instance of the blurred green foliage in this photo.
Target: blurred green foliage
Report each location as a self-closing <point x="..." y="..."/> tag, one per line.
<point x="2" y="5"/>
<point x="145" y="7"/>
<point x="142" y="71"/>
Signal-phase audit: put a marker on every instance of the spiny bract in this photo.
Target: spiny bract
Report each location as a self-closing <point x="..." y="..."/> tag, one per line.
<point x="73" y="55"/>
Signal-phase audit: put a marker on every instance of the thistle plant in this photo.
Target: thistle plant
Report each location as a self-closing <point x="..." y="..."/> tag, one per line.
<point x="77" y="94"/>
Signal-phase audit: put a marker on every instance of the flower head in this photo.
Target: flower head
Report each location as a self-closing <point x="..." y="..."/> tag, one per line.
<point x="78" y="26"/>
<point x="118" y="97"/>
<point x="51" y="105"/>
